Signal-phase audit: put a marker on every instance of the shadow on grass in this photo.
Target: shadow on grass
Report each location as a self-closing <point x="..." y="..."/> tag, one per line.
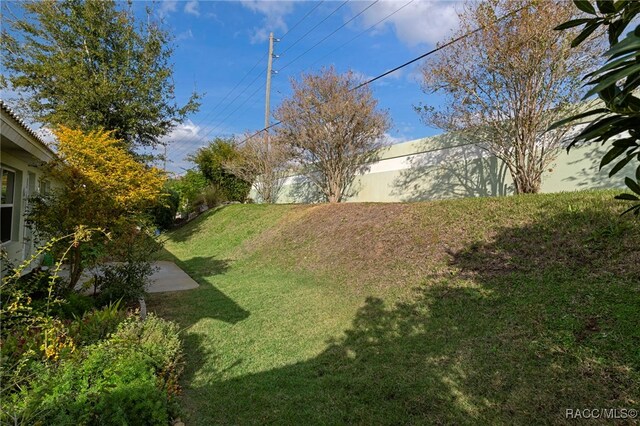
<point x="541" y="318"/>
<point x="187" y="229"/>
<point x="201" y="269"/>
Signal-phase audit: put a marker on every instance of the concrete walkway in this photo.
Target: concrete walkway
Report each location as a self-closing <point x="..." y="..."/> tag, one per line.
<point x="167" y="277"/>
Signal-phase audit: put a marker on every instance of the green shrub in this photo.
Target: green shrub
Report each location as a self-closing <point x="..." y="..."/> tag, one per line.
<point x="128" y="379"/>
<point x="211" y="196"/>
<point x="74" y="305"/>
<point x="110" y="386"/>
<point x="164" y="213"/>
<point x="36" y="283"/>
<point x="127" y="277"/>
<point x="97" y="324"/>
<point x="158" y="340"/>
<point x="189" y="187"/>
<point x="212" y="161"/>
<point x="122" y="281"/>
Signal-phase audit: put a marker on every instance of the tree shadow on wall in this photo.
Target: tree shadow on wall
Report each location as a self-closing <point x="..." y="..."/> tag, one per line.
<point x="303" y="191"/>
<point x="451" y="173"/>
<point x="518" y="330"/>
<point x="589" y="176"/>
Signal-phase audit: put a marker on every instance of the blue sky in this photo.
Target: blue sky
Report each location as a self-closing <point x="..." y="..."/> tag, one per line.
<point x="218" y="43"/>
<point x="220" y="50"/>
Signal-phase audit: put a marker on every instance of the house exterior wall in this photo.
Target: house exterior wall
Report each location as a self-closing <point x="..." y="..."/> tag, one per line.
<point x="28" y="183"/>
<point x="440" y="167"/>
<point x="22" y="155"/>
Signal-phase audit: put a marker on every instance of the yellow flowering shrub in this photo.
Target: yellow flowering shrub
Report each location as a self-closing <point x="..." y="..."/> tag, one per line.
<point x="98" y="161"/>
<point x="98" y="184"/>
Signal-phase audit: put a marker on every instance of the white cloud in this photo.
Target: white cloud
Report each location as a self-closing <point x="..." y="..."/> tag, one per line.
<point x="185" y="139"/>
<point x="421" y="22"/>
<point x="192" y="7"/>
<point x="392" y="140"/>
<point x="385" y="81"/>
<point x="186" y="35"/>
<point x="274" y="13"/>
<point x="360" y="77"/>
<point x="167" y="7"/>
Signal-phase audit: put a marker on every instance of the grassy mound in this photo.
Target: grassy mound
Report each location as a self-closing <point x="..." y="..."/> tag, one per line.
<point x="492" y="310"/>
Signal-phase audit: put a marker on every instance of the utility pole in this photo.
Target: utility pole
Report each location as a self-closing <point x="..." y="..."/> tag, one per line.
<point x="165" y="157"/>
<point x="267" y="109"/>
<point x="268" y="98"/>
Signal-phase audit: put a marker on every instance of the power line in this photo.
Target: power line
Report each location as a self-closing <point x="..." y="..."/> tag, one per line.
<point x="329" y="35"/>
<point x="303" y="18"/>
<point x="361" y="33"/>
<point x="312" y="47"/>
<point x="235" y="110"/>
<point x="264" y="56"/>
<point x="314" y="27"/>
<point x="234" y="87"/>
<point x="431" y="52"/>
<point x="357" y="35"/>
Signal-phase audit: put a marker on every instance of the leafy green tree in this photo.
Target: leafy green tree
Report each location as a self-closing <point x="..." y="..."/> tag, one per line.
<point x="88" y="64"/>
<point x="189" y="187"/>
<point x="616" y="83"/>
<point x="164" y="213"/>
<point x="212" y="162"/>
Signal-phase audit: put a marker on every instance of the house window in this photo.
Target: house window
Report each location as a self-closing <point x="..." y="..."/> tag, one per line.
<point x="6" y="204"/>
<point x="45" y="187"/>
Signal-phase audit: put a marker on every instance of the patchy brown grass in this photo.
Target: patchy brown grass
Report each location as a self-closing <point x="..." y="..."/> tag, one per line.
<point x="380" y="245"/>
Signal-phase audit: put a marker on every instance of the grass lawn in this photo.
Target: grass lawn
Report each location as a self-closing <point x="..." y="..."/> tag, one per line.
<point x="494" y="310"/>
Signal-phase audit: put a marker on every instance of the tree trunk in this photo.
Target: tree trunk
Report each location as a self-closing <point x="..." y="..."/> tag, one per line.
<point x="75" y="267"/>
<point x="526" y="184"/>
<point x="333" y="198"/>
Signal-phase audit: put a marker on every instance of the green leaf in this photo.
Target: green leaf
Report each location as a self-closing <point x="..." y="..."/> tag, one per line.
<point x="611" y="155"/>
<point x="625" y="142"/>
<point x="629" y="197"/>
<point x="618" y="5"/>
<point x="605" y="6"/>
<point x="632" y="208"/>
<point x="632" y="185"/>
<point x="585" y="6"/>
<point x="612" y="64"/>
<point x="630" y="44"/>
<point x="615" y="30"/>
<point x="631" y="83"/>
<point x="612" y="78"/>
<point x="620" y="165"/>
<point x="638" y="173"/>
<point x="586" y="32"/>
<point x="567" y="120"/>
<point x="572" y="23"/>
<point x="601" y="126"/>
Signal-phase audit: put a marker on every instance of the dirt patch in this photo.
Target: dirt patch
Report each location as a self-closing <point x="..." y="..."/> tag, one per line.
<point x="393" y="244"/>
<point x="365" y="244"/>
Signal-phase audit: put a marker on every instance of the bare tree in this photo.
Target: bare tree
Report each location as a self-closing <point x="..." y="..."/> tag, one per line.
<point x="263" y="161"/>
<point x="505" y="85"/>
<point x="332" y="131"/>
